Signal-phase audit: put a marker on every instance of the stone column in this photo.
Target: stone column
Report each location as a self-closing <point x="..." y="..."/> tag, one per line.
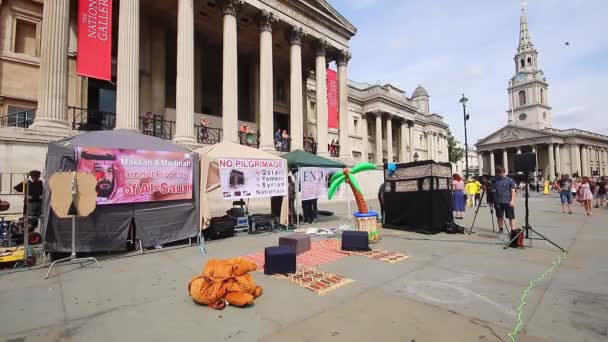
<point x="127" y="76"/>
<point x="480" y="162"/>
<point x="321" y="85"/>
<point x="365" y="141"/>
<point x="535" y="173"/>
<point x="558" y="161"/>
<point x="492" y="166"/>
<point x="403" y="156"/>
<point x="184" y="85"/>
<point x="230" y="105"/>
<point x="378" y="137"/>
<point x="585" y="161"/>
<point x="551" y="174"/>
<point x="389" y="139"/>
<point x="345" y="150"/>
<point x="265" y="21"/>
<point x="158" y="67"/>
<point x="52" y="110"/>
<point x="575" y="159"/>
<point x="429" y="145"/>
<point x="198" y="75"/>
<point x="295" y="88"/>
<point x="602" y="161"/>
<point x="505" y="160"/>
<point x="410" y="132"/>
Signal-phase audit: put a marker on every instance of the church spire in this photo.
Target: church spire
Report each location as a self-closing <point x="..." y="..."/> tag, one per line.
<point x="525" y="42"/>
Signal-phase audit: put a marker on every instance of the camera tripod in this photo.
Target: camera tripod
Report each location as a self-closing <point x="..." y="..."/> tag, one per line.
<point x="491" y="205"/>
<point x="527" y="228"/>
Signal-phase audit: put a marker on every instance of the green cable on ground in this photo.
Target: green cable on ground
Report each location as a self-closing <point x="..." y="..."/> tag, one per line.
<point x="520" y="322"/>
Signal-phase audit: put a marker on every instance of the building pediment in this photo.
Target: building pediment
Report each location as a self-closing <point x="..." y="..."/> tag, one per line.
<point x="511" y="133"/>
<point x="331" y="13"/>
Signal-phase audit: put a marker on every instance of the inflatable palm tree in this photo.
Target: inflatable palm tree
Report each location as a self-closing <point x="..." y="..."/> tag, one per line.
<point x="348" y="176"/>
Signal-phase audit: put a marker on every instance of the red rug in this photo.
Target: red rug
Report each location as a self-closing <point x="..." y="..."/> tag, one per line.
<point x="320" y="253"/>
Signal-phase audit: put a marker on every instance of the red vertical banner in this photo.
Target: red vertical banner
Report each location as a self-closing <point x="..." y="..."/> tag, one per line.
<point x="332" y="99"/>
<point x="94" y="56"/>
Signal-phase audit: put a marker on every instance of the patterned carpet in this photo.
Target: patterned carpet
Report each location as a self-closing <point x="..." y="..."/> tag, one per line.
<point x="320" y="253"/>
<point x="390" y="257"/>
<point x="315" y="280"/>
<point x="323" y="252"/>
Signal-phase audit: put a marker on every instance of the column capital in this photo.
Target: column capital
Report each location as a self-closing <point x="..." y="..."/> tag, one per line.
<point x="410" y="123"/>
<point x="295" y="35"/>
<point x="321" y="47"/>
<point x="343" y="57"/>
<point x="265" y="20"/>
<point x="377" y="113"/>
<point x="230" y="7"/>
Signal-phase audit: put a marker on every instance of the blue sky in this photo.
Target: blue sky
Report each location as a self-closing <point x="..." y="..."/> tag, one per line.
<point x="454" y="47"/>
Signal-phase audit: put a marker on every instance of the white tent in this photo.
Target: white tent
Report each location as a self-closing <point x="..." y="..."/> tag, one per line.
<point x="210" y="176"/>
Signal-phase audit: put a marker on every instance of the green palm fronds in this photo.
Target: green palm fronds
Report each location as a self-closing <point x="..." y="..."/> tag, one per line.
<point x="362" y="167"/>
<point x="335" y="183"/>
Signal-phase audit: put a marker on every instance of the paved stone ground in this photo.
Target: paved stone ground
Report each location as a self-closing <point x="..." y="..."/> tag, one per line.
<point x="452" y="288"/>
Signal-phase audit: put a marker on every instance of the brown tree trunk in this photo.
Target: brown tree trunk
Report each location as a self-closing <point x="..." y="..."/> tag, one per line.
<point x="361" y="205"/>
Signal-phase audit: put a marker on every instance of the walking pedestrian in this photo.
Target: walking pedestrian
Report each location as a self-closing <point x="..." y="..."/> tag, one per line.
<point x="564" y="187"/>
<point x="504" y="188"/>
<point x="600" y="192"/>
<point x="458" y="196"/>
<point x="585" y="196"/>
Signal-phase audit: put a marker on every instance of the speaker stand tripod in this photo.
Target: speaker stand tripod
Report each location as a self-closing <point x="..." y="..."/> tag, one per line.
<point x="72" y="258"/>
<point x="483" y="192"/>
<point x="527" y="228"/>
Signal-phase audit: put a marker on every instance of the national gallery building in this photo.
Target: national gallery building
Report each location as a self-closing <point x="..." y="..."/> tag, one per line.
<point x="241" y="68"/>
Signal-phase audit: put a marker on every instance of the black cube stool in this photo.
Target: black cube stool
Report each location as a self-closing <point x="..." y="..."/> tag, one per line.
<point x="355" y="241"/>
<point x="279" y="259"/>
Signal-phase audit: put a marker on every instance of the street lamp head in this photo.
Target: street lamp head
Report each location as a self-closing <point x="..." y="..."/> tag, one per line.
<point x="463" y="100"/>
<point x="416" y="156"/>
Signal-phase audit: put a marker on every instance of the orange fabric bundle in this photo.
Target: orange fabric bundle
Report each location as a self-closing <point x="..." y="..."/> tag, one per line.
<point x="225" y="281"/>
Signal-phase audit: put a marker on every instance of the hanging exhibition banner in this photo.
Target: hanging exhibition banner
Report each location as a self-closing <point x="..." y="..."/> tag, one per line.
<point x="332" y="99"/>
<point x="133" y="176"/>
<point x="94" y="55"/>
<point x="314" y="182"/>
<point x="251" y="178"/>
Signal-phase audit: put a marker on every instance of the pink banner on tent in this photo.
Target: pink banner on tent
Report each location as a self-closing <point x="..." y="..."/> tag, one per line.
<point x="132" y="176"/>
<point x="332" y="99"/>
<point x="94" y="58"/>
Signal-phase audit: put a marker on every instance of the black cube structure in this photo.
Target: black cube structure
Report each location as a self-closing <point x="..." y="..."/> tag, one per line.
<point x="355" y="241"/>
<point x="279" y="259"/>
<point x="418" y="197"/>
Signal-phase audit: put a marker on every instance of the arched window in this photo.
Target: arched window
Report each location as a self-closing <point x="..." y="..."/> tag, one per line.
<point x="529" y="61"/>
<point x="542" y="96"/>
<point x="522" y="97"/>
<point x="522" y="63"/>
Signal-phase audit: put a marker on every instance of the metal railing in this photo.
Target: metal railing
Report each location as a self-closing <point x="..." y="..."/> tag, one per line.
<point x="9" y="180"/>
<point x="249" y="139"/>
<point x="23" y="118"/>
<point x="334" y="150"/>
<point x="283" y="146"/>
<point x="157" y="127"/>
<point x="92" y="120"/>
<point x="310" y="145"/>
<point x="208" y="135"/>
